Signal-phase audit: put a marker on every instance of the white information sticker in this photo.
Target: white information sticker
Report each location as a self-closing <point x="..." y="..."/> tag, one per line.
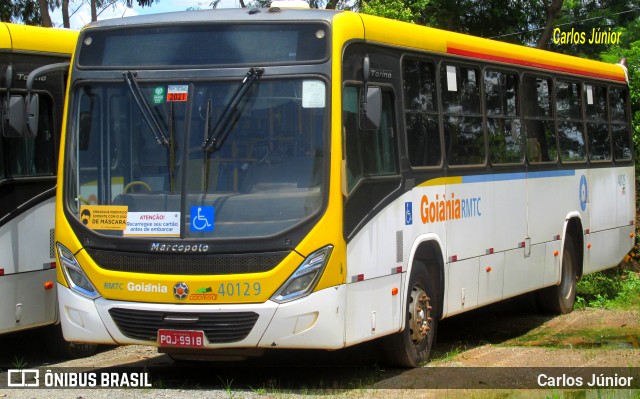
<point x="589" y="94"/>
<point x="153" y="224"/>
<point x="313" y="94"/>
<point x="452" y="83"/>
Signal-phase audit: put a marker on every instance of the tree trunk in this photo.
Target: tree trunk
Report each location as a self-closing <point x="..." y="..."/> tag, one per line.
<point x="553" y="11"/>
<point x="44" y="13"/>
<point x="331" y="4"/>
<point x="65" y="14"/>
<point x="94" y="10"/>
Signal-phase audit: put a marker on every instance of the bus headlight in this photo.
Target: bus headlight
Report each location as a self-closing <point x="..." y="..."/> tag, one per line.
<point x="305" y="278"/>
<point x="75" y="276"/>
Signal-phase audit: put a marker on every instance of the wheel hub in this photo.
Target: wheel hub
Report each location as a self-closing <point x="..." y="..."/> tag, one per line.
<point x="420" y="312"/>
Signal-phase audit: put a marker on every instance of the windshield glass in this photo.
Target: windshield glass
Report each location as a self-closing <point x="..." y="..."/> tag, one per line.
<point x="139" y="165"/>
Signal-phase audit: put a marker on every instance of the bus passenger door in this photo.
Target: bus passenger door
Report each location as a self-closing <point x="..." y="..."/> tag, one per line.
<point x="371" y="220"/>
<point x="27" y="209"/>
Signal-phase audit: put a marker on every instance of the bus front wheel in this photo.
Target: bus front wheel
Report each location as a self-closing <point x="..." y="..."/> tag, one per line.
<point x="412" y="345"/>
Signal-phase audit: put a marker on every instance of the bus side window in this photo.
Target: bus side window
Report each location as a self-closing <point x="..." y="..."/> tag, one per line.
<point x="620" y="128"/>
<point x="33" y="156"/>
<point x="570" y="123"/>
<point x="368" y="153"/>
<point x="421" y="113"/>
<point x="464" y="136"/>
<point x="597" y="122"/>
<point x="539" y="126"/>
<point x="503" y="124"/>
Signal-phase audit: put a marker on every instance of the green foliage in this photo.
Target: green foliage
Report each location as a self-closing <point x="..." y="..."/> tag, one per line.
<point x="402" y="10"/>
<point x="612" y="289"/>
<point x="25" y="11"/>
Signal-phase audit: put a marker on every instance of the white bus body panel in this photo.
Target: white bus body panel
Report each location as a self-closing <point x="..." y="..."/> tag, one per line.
<point x="612" y="203"/>
<point x="314" y="322"/>
<point x="507" y="241"/>
<point x="25" y="245"/>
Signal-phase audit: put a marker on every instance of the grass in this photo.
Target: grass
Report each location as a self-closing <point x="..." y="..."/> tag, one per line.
<point x="618" y="288"/>
<point x="19" y="363"/>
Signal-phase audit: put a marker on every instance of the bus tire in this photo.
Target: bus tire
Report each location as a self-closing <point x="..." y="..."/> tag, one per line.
<point x="559" y="299"/>
<point x="412" y="346"/>
<point x="69" y="350"/>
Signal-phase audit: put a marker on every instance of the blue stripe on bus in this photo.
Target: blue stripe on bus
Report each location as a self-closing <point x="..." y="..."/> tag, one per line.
<point x="517" y="176"/>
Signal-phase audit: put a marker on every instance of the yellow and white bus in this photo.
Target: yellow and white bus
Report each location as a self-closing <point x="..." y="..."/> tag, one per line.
<point x="34" y="62"/>
<point x="238" y="180"/>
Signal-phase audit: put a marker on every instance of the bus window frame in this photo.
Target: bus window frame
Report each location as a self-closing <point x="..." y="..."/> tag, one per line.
<point x="607" y="121"/>
<point x="627" y="121"/>
<point x="46" y="97"/>
<point x="519" y="114"/>
<point x="417" y="57"/>
<point x="551" y="118"/>
<point x="582" y="122"/>
<point x="364" y="178"/>
<point x="478" y="66"/>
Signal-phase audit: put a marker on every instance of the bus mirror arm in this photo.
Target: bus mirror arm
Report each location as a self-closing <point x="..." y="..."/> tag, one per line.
<point x="8" y="79"/>
<point x="371" y="106"/>
<point x="32" y="101"/>
<point x="371" y="112"/>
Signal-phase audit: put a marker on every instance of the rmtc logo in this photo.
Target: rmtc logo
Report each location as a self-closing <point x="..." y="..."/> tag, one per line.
<point x="443" y="208"/>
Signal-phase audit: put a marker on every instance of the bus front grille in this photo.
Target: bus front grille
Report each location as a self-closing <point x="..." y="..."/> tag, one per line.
<point x="219" y="327"/>
<point x="133" y="262"/>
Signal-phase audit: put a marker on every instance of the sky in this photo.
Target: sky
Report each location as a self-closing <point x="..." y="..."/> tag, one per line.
<point x="83" y="15"/>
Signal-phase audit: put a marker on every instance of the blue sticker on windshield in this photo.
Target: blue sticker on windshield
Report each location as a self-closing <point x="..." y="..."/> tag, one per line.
<point x="202" y="218"/>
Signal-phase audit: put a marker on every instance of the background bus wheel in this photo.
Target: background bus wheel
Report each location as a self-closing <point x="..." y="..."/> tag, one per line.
<point x="412" y="346"/>
<point x="57" y="345"/>
<point x="560" y="298"/>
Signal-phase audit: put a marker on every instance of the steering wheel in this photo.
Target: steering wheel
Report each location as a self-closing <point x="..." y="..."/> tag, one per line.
<point x="136" y="183"/>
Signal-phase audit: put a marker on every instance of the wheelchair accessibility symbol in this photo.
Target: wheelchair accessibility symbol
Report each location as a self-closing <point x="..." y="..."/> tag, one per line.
<point x="202" y="218"/>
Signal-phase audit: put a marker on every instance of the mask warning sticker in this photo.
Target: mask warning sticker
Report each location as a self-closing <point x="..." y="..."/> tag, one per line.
<point x="103" y="217"/>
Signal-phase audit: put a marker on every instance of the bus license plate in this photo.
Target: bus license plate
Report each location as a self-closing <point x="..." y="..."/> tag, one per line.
<point x="181" y="338"/>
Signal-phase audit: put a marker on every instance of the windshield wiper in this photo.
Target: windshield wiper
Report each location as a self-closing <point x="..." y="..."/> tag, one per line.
<point x="148" y="116"/>
<point x="219" y="133"/>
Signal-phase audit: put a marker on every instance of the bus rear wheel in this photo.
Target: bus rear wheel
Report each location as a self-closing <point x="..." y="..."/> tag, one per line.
<point x="559" y="299"/>
<point x="412" y="346"/>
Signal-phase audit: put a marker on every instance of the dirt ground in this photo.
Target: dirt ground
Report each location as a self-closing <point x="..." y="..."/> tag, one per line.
<point x="512" y="338"/>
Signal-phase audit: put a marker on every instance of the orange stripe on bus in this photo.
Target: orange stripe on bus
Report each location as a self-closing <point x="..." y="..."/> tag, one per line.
<point x="508" y="60"/>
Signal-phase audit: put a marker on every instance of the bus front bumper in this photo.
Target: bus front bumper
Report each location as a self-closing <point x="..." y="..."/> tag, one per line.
<point x="315" y="322"/>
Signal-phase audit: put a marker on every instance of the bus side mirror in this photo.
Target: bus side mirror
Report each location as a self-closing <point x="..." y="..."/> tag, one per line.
<point x="14" y="117"/>
<point x="371" y="112"/>
<point x="33" y="113"/>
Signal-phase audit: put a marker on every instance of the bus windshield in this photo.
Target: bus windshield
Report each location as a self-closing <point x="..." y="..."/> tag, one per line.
<point x="138" y="150"/>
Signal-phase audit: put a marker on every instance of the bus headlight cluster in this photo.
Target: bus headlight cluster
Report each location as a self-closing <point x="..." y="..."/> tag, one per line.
<point x="305" y="278"/>
<point x="75" y="276"/>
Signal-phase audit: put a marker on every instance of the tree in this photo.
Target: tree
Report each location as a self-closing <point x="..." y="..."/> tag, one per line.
<point x="26" y="11"/>
<point x="45" y="18"/>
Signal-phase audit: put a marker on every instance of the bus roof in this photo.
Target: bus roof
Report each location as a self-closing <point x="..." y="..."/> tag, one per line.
<point x="396" y="33"/>
<point x="37" y="39"/>
<point x="399" y="34"/>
